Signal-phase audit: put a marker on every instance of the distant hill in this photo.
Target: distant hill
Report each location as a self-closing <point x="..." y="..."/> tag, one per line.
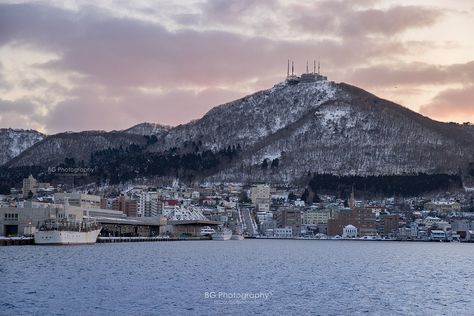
<point x="15" y="141"/>
<point x="54" y="149"/>
<point x="148" y="129"/>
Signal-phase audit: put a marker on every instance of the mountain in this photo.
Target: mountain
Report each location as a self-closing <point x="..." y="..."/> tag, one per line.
<point x="324" y="127"/>
<point x="148" y="129"/>
<point x="280" y="134"/>
<point x="15" y="141"/>
<point x="54" y="149"/>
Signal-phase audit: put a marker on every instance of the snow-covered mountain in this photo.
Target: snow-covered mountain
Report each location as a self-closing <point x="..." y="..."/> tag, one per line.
<point x="52" y="150"/>
<point x="320" y="127"/>
<point x="325" y="127"/>
<point x="356" y="133"/>
<point x="15" y="141"/>
<point x="148" y="129"/>
<point x="252" y="118"/>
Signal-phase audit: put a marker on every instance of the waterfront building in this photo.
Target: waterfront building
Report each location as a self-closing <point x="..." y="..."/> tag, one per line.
<point x="462" y="227"/>
<point x="349" y="231"/>
<point x="390" y="224"/>
<point x="18" y="221"/>
<point x="283" y="232"/>
<point x="362" y="218"/>
<point x="289" y="217"/>
<point x="438" y="235"/>
<point x="315" y="216"/>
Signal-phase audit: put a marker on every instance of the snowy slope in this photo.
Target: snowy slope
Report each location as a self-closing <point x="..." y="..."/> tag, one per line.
<point x="15" y="141"/>
<point x="148" y="129"/>
<point x="320" y="127"/>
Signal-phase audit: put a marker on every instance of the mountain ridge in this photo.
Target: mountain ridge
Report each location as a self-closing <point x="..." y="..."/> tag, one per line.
<point x="318" y="127"/>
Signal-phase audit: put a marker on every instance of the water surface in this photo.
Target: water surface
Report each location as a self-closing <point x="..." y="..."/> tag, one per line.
<point x="239" y="277"/>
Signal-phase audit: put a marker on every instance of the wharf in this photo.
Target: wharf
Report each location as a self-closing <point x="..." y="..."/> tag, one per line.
<point x="16" y="241"/>
<point x="145" y="239"/>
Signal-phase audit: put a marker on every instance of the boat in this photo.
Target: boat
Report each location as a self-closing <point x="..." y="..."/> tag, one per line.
<point x="222" y="234"/>
<point x="237" y="235"/>
<point x="63" y="232"/>
<point x="207" y="231"/>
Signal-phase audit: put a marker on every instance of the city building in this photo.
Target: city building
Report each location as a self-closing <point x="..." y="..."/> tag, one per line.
<point x="443" y="207"/>
<point x="260" y="193"/>
<point x="289" y="217"/>
<point x="125" y="205"/>
<point x="362" y="218"/>
<point x="283" y="232"/>
<point x="31" y="186"/>
<point x="19" y="221"/>
<point x="149" y="204"/>
<point x="390" y="224"/>
<point x="349" y="231"/>
<point x="78" y="199"/>
<point x="316" y="216"/>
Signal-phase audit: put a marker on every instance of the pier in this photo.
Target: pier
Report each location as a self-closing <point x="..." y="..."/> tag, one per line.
<point x="16" y="241"/>
<point x="145" y="239"/>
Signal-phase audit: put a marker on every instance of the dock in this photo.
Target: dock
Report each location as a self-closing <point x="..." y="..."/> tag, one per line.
<point x="145" y="239"/>
<point x="16" y="241"/>
<point x="23" y="241"/>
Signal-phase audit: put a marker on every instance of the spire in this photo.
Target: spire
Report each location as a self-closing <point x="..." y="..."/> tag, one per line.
<point x="307" y="70"/>
<point x="314" y="66"/>
<point x="319" y="67"/>
<point x="292" y="68"/>
<point x="288" y="70"/>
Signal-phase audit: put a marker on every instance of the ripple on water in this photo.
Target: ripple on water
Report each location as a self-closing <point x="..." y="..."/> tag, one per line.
<point x="316" y="277"/>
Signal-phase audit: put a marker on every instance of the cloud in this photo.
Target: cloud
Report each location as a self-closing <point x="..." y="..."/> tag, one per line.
<point x="452" y="104"/>
<point x="17" y="106"/>
<point x="91" y="109"/>
<point x="19" y="114"/>
<point x="216" y="51"/>
<point x="124" y="52"/>
<point x="413" y="74"/>
<point x="343" y="19"/>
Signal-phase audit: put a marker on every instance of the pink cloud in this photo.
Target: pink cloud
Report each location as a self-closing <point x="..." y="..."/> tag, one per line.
<point x="453" y="104"/>
<point x="119" y="55"/>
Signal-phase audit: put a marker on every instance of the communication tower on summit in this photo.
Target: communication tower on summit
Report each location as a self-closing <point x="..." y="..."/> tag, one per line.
<point x="306" y="77"/>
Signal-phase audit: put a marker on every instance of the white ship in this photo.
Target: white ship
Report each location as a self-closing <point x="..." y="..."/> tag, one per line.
<point x="237" y="235"/>
<point x="53" y="232"/>
<point x="207" y="231"/>
<point x="222" y="234"/>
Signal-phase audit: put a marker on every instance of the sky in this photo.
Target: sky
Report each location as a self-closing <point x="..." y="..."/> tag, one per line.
<point x="80" y="65"/>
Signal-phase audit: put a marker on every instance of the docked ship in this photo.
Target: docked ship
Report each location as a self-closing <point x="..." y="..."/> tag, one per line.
<point x="237" y="235"/>
<point x="207" y="231"/>
<point x="62" y="232"/>
<point x="222" y="234"/>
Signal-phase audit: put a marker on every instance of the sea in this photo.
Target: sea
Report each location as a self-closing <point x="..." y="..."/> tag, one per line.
<point x="249" y="277"/>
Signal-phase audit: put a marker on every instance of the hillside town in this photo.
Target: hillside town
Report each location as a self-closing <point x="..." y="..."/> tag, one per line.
<point x="254" y="211"/>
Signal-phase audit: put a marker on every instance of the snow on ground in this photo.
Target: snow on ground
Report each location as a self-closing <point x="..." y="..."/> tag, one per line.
<point x="332" y="115"/>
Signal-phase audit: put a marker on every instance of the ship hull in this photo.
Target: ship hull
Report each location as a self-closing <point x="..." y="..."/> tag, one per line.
<point x="57" y="237"/>
<point x="222" y="235"/>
